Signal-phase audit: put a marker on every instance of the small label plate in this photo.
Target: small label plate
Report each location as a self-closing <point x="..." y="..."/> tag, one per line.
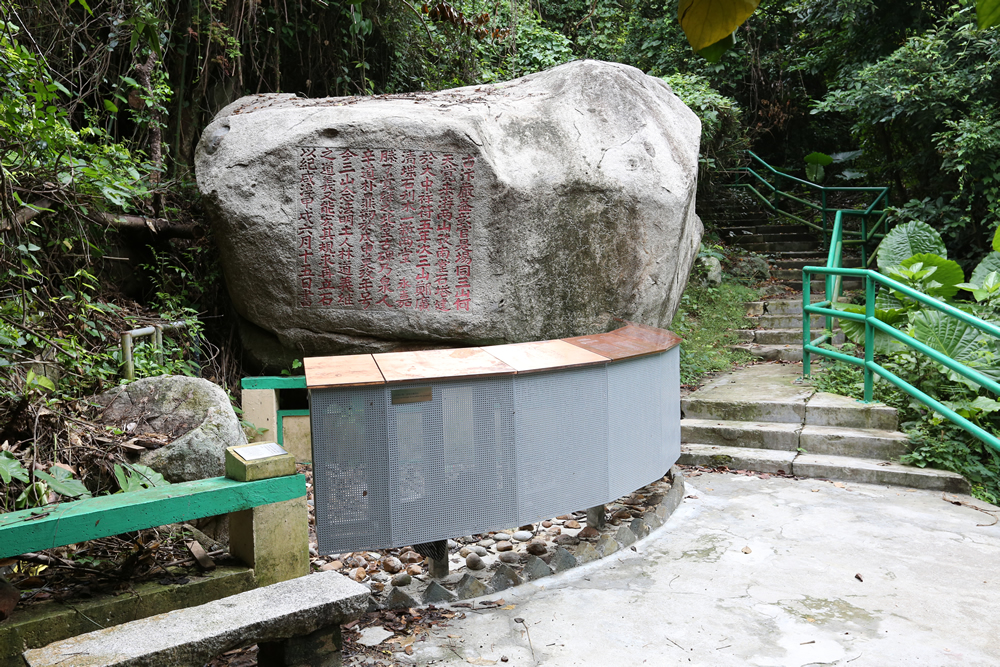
<point x="254" y="452"/>
<point x="412" y="395"/>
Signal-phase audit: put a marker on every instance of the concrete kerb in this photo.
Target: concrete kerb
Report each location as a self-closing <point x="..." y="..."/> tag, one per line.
<point x="463" y="584"/>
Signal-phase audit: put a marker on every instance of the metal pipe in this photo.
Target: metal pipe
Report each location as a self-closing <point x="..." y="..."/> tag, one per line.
<point x="155" y="330"/>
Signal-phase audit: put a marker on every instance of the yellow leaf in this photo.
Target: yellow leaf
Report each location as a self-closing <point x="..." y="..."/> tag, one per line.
<point x="706" y="22"/>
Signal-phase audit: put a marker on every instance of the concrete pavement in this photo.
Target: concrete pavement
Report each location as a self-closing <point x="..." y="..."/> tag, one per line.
<point x="752" y="571"/>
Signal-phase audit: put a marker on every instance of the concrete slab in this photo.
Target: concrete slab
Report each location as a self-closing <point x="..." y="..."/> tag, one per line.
<point x="877" y="472"/>
<point x="765" y="392"/>
<point x="761" y="435"/>
<point x="737" y="458"/>
<point x="865" y="443"/>
<point x="761" y="572"/>
<point x="193" y="636"/>
<point x="824" y="409"/>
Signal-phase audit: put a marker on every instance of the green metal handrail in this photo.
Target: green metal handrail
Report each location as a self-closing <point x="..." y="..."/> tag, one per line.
<point x="833" y="272"/>
<point x="864" y="237"/>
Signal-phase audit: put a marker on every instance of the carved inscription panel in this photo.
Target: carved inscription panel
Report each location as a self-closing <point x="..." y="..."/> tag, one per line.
<point x="381" y="229"/>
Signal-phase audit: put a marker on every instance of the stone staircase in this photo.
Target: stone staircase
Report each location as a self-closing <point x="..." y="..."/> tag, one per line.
<point x="774" y="331"/>
<point x="765" y="418"/>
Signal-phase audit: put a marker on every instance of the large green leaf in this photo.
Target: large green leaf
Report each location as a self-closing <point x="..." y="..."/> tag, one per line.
<point x="11" y="468"/>
<point x="886" y="300"/>
<point x="907" y="240"/>
<point x="990" y="263"/>
<point x="855" y="331"/>
<point x="962" y="342"/>
<point x="713" y="53"/>
<point x="987" y="13"/>
<point x="61" y="481"/>
<point x="706" y="22"/>
<point x="948" y="273"/>
<point x="822" y="159"/>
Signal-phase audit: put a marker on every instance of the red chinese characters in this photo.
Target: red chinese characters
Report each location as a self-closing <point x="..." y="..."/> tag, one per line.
<point x="382" y="229"/>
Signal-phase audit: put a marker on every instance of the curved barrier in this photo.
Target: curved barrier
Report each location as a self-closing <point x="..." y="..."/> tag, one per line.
<point x="415" y="447"/>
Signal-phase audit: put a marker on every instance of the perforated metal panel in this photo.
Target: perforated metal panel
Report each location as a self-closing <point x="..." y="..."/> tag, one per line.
<point x="409" y="463"/>
<point x="562" y="441"/>
<point x="351" y="469"/>
<point x="635" y="423"/>
<point x="451" y="459"/>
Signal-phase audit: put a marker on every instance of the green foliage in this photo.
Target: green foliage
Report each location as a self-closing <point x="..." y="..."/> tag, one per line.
<point x="705" y="321"/>
<point x="724" y="139"/>
<point x="135" y="477"/>
<point x="708" y="22"/>
<point x="905" y="241"/>
<point x="61" y="481"/>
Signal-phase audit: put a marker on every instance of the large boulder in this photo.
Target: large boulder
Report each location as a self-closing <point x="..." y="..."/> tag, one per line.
<point x="195" y="415"/>
<point x="534" y="209"/>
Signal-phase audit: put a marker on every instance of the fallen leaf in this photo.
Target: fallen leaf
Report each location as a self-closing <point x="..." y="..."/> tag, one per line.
<point x="746" y="550"/>
<point x="839" y="485"/>
<point x="815" y="490"/>
<point x="508" y="607"/>
<point x="408" y="650"/>
<point x="858" y="577"/>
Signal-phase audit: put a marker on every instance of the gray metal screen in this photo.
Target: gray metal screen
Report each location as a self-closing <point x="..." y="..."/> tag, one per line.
<point x="409" y="463"/>
<point x="451" y="459"/>
<point x="562" y="441"/>
<point x="351" y="469"/>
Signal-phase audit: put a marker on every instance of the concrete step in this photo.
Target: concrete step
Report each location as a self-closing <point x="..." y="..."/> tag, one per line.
<point x="800" y="246"/>
<point x="791" y="353"/>
<point x="742" y="237"/>
<point x="782" y="336"/>
<point x="736" y="458"/>
<point x="755" y="435"/>
<point x="767" y="321"/>
<point x="866" y="443"/>
<point x="784" y="262"/>
<point x="820" y="285"/>
<point x="820" y="466"/>
<point x="766" y="229"/>
<point x="872" y="471"/>
<point x="824" y="409"/>
<point x="784" y="306"/>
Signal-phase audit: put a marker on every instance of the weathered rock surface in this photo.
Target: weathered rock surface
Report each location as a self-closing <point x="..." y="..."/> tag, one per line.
<point x="194" y="412"/>
<point x="539" y="208"/>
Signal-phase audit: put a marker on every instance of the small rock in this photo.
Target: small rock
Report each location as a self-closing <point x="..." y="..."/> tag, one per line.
<point x="530" y="527"/>
<point x="438" y="593"/>
<point x="554" y="530"/>
<point x="402" y="579"/>
<point x="481" y="551"/>
<point x="535" y="568"/>
<point x="623" y="514"/>
<point x="563" y="560"/>
<point x="374" y="635"/>
<point x="392" y="565"/>
<point x="564" y="517"/>
<point x="377" y="586"/>
<point x="359" y="574"/>
<point x="410" y="557"/>
<point x="588" y="533"/>
<point x="653" y="520"/>
<point x="640" y="528"/>
<point x="400" y="599"/>
<point x="332" y="565"/>
<point x="546" y="524"/>
<point x="510" y="557"/>
<point x="474" y="562"/>
<point x="464" y="551"/>
<point x="566" y="540"/>
<point x="414" y="570"/>
<point x="505" y="577"/>
<point x="9" y="597"/>
<point x="313" y="551"/>
<point x="625" y="536"/>
<point x="523" y="535"/>
<point x="487" y="543"/>
<point x="504" y="546"/>
<point x="572" y="523"/>
<point x="586" y="553"/>
<point x="470" y="587"/>
<point x="607" y="545"/>
<point x="537" y="547"/>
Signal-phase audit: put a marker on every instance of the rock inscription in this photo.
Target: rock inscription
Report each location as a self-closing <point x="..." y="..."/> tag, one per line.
<point x="383" y="228"/>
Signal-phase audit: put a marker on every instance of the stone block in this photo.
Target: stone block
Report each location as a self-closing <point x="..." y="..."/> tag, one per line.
<point x="260" y="408"/>
<point x="317" y="649"/>
<point x="272" y="539"/>
<point x="243" y="470"/>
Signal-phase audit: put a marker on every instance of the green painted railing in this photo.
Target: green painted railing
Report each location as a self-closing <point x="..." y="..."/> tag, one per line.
<point x="833" y="272"/>
<point x="873" y="218"/>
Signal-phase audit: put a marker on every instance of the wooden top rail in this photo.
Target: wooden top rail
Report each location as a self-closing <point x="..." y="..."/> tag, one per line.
<point x="359" y="370"/>
<point x="68" y="523"/>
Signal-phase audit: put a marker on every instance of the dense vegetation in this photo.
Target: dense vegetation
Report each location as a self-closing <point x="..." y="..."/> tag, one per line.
<point x="102" y="103"/>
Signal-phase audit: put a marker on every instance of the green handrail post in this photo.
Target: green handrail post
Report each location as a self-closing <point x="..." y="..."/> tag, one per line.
<point x="869" y="338"/>
<point x="823" y="200"/>
<point x="806" y="320"/>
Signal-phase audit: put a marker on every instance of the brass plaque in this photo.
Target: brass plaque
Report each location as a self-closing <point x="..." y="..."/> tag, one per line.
<point x="412" y="395"/>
